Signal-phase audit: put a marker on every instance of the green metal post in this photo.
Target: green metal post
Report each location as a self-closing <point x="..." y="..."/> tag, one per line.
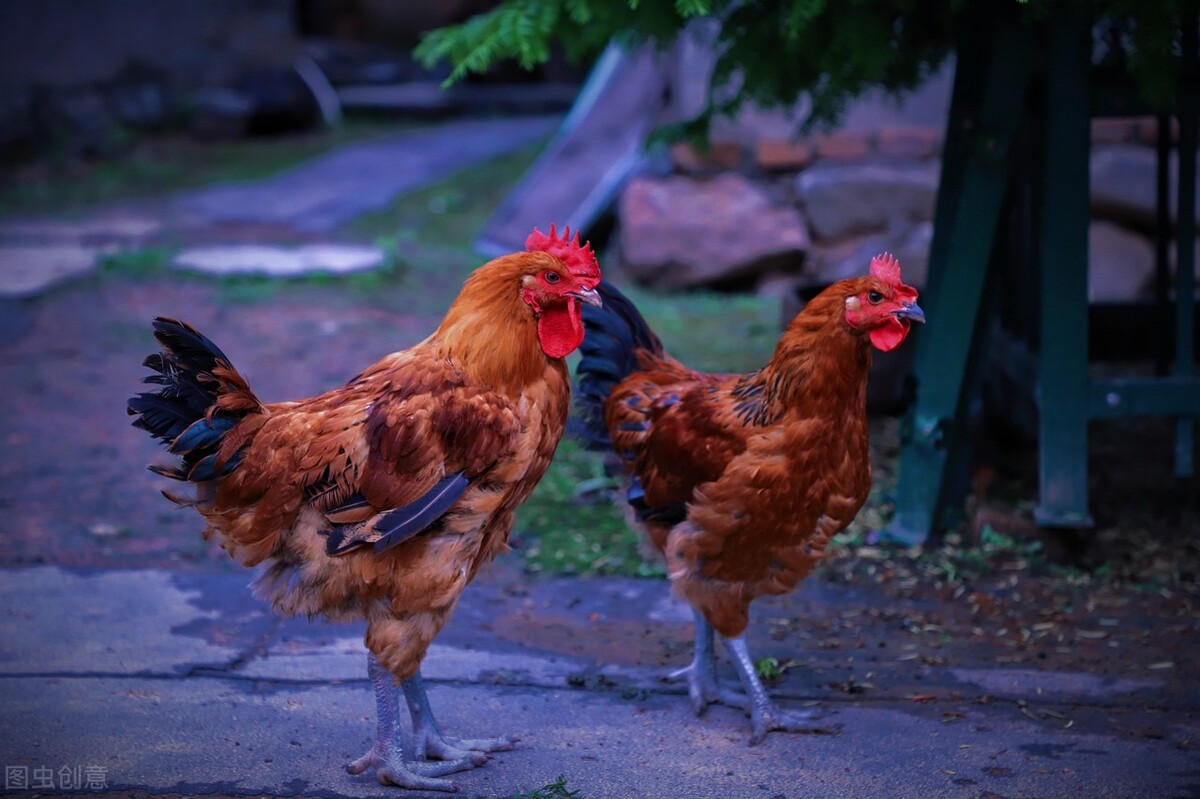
<point x="1185" y="264"/>
<point x="1063" y="385"/>
<point x="995" y="60"/>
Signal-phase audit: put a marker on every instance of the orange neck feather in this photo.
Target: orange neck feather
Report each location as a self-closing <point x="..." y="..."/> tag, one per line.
<point x="489" y="332"/>
<point x="819" y="359"/>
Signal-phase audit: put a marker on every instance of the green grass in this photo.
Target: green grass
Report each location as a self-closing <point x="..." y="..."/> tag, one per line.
<point x="138" y="263"/>
<point x="154" y="261"/>
<point x="572" y="524"/>
<point x="426" y="235"/>
<point x="451" y="213"/>
<point x="551" y="790"/>
<point x="710" y="331"/>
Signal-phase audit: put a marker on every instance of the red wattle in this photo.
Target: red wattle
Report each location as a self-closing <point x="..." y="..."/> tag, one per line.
<point x="887" y="336"/>
<point x="560" y="329"/>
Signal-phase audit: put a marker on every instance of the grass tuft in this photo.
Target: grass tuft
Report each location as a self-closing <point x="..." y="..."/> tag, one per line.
<point x="557" y="789"/>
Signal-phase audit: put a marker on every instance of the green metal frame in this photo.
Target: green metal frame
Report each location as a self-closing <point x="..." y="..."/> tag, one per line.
<point x="1185" y="247"/>
<point x="1063" y="253"/>
<point x="986" y="110"/>
<point x="992" y="86"/>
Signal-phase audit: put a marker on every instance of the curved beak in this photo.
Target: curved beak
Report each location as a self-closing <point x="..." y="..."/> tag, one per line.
<point x="910" y="310"/>
<point x="590" y="296"/>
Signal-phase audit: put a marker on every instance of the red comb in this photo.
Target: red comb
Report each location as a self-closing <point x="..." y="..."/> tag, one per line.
<point x="885" y="267"/>
<point x="580" y="259"/>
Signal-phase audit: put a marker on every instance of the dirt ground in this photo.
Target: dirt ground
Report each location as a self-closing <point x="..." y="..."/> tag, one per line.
<point x="74" y="492"/>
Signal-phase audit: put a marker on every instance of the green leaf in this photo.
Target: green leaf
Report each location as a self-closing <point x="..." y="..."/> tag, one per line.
<point x="693" y="8"/>
<point x="768" y="668"/>
<point x="775" y="52"/>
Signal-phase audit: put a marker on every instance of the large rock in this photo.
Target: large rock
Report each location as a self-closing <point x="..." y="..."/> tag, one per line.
<point x="678" y="232"/>
<point x="1124" y="186"/>
<point x="852" y="199"/>
<point x="852" y="257"/>
<point x="1121" y="264"/>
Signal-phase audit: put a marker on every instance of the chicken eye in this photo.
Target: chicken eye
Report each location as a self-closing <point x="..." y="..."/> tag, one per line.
<point x="874" y="297"/>
<point x="552" y="277"/>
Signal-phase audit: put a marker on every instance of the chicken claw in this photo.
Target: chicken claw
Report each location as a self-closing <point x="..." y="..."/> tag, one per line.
<point x="392" y="769"/>
<point x="765" y="716"/>
<point x="430" y="742"/>
<point x="388" y="755"/>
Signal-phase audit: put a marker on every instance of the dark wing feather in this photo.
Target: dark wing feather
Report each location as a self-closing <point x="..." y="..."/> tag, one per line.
<point x="402" y="523"/>
<point x="616" y="332"/>
<point x="387" y="529"/>
<point x="427" y="439"/>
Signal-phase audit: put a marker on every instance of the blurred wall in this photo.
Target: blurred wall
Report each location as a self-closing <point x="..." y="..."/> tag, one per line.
<point x="395" y="23"/>
<point x="66" y="43"/>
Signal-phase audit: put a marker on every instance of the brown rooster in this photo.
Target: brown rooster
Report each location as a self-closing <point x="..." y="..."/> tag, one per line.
<point x="380" y="500"/>
<point x="741" y="480"/>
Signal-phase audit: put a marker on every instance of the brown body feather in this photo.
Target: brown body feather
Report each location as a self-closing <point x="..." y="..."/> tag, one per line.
<point x="769" y="465"/>
<point x="478" y="397"/>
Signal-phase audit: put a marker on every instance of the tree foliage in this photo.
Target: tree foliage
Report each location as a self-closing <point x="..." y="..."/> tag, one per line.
<point x="773" y="52"/>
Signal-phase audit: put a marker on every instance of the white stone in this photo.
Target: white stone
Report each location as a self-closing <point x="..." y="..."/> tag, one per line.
<point x="259" y="259"/>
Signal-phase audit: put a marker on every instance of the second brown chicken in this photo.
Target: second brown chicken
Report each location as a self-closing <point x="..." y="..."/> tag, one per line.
<point x="740" y="480"/>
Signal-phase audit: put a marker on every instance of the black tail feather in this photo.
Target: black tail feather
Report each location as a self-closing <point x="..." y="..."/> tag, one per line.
<point x="613" y="334"/>
<point x="179" y="413"/>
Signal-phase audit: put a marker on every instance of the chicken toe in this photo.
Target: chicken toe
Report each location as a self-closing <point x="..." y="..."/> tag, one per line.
<point x="388" y="755"/>
<point x="430" y="742"/>
<point x="392" y="769"/>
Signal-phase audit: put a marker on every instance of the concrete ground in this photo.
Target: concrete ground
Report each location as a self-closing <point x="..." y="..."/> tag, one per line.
<point x="184" y="684"/>
<point x="133" y="662"/>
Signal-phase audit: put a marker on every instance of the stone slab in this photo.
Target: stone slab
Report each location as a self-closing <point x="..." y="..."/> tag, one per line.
<point x="273" y="261"/>
<point x="323" y="193"/>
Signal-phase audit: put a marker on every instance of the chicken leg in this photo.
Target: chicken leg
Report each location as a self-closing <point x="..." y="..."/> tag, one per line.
<point x="765" y="716"/>
<point x="388" y="755"/>
<point x="428" y="740"/>
<point x="703" y="686"/>
<point x="704" y="689"/>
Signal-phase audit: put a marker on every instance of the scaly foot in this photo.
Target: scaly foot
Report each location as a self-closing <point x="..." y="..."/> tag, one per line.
<point x="430" y="742"/>
<point x="765" y="716"/>
<point x="392" y="769"/>
<point x="770" y="717"/>
<point x="441" y="747"/>
<point x="704" y="688"/>
<point x="701" y="674"/>
<point x="389" y="756"/>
